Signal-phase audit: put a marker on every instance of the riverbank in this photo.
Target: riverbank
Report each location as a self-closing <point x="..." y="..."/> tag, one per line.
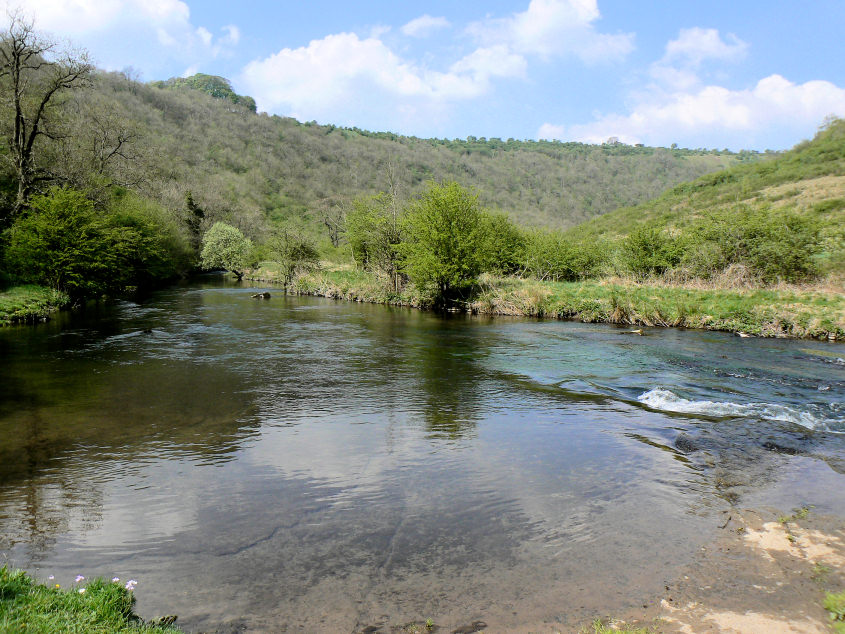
<point x="767" y="572"/>
<point x="770" y="312"/>
<point x="95" y="606"/>
<point x="29" y="304"/>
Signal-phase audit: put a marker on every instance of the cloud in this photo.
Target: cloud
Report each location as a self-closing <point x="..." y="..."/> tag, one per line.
<point x="551" y="28"/>
<point x="115" y="30"/>
<point x="342" y="74"/>
<point x="696" y="45"/>
<point x="233" y="35"/>
<point x="698" y="118"/>
<point x="424" y="26"/>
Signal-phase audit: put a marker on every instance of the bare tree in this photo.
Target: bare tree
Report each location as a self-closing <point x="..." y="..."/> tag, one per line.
<point x="35" y="73"/>
<point x="332" y="213"/>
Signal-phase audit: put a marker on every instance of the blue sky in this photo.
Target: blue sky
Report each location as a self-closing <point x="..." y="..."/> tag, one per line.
<point x="741" y="74"/>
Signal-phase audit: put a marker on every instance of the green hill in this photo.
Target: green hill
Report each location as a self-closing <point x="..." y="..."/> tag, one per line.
<point x="810" y="178"/>
<point x="253" y="169"/>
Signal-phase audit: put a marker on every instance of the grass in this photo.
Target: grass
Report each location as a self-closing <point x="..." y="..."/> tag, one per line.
<point x="96" y="607"/>
<point x="835" y="605"/>
<point x="29" y="303"/>
<point x="599" y="627"/>
<point x="763" y="312"/>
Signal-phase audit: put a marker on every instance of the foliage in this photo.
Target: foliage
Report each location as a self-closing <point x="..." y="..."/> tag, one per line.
<point x="99" y="607"/>
<point x="225" y="247"/>
<point x="217" y="87"/>
<point x="65" y="244"/>
<point x="294" y="254"/>
<point x="774" y="244"/>
<point x="551" y="255"/>
<point x="447" y="232"/>
<point x="374" y="230"/>
<point x="650" y="251"/>
<point x="503" y="245"/>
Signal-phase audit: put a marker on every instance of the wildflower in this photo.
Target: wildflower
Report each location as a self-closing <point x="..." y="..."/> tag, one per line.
<point x="130" y="585"/>
<point x="115" y="579"/>
<point x="82" y="591"/>
<point x="79" y="578"/>
<point x="51" y="577"/>
<point x="58" y="586"/>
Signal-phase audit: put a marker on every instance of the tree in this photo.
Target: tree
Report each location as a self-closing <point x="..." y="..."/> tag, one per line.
<point x="195" y="218"/>
<point x="34" y="76"/>
<point x="64" y="243"/>
<point x="374" y="232"/>
<point x="225" y="247"/>
<point x="294" y="253"/>
<point x="444" y="252"/>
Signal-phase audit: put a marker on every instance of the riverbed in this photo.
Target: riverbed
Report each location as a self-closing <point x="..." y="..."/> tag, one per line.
<point x="304" y="464"/>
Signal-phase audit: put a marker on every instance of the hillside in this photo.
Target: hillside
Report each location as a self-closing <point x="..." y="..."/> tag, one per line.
<point x="809" y="178"/>
<point x="253" y="168"/>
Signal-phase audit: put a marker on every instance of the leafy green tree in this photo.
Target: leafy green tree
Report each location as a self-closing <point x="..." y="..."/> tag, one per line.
<point x="62" y="242"/>
<point x="225" y="247"/>
<point x="294" y="253"/>
<point x="444" y="251"/>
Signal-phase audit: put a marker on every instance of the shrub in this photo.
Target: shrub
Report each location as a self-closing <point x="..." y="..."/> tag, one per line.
<point x="64" y="243"/>
<point x="650" y="251"/>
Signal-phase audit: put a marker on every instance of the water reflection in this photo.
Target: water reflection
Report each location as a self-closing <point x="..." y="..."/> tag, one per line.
<point x="305" y="464"/>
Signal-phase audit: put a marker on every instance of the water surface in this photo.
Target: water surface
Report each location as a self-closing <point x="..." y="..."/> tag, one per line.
<point x="300" y="464"/>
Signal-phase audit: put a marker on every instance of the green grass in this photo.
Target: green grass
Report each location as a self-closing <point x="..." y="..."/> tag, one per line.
<point x="760" y="312"/>
<point x="29" y="303"/>
<point x="96" y="607"/>
<point x="835" y="605"/>
<point x="598" y="627"/>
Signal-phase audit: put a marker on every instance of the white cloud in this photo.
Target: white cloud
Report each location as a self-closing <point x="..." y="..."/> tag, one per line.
<point x="555" y="28"/>
<point x="340" y="74"/>
<point x="424" y="26"/>
<point x="495" y="61"/>
<point x="115" y="30"/>
<point x="695" y="45"/>
<point x="233" y="35"/>
<point x="204" y="35"/>
<point x="697" y="118"/>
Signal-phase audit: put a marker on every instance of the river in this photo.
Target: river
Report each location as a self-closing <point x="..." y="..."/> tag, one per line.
<point x="302" y="464"/>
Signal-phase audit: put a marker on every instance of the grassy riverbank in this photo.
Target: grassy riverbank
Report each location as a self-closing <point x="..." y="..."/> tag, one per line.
<point x="29" y="303"/>
<point x="768" y="312"/>
<point x="96" y="607"/>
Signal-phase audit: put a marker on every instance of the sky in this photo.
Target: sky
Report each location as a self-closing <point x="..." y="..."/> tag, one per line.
<point x="738" y="74"/>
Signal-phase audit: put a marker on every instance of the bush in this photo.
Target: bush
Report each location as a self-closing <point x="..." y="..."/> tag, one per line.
<point x="65" y="244"/>
<point x="551" y="255"/>
<point x="775" y="244"/>
<point x="503" y="245"/>
<point x="650" y="251"/>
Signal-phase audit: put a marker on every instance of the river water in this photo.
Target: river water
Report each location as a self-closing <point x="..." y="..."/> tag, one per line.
<point x="301" y="464"/>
